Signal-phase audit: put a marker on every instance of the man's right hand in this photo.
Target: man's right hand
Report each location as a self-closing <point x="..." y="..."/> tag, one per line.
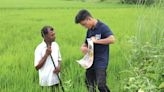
<point x="84" y="48"/>
<point x="44" y="58"/>
<point x="48" y="51"/>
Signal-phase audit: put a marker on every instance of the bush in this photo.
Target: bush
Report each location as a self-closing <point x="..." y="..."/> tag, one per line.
<point x="147" y="2"/>
<point x="146" y="55"/>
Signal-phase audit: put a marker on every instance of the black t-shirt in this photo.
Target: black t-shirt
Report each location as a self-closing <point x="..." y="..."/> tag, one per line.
<point x="101" y="52"/>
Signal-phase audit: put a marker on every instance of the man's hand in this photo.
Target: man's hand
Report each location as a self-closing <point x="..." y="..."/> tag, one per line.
<point x="109" y="40"/>
<point x="48" y="51"/>
<point x="84" y="48"/>
<point x="56" y="70"/>
<point x="93" y="38"/>
<point x="44" y="58"/>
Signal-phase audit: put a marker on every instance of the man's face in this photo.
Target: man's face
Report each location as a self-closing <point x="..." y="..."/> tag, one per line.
<point x="87" y="23"/>
<point x="51" y="35"/>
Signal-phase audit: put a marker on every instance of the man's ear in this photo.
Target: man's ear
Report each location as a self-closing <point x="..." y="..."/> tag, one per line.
<point x="90" y="18"/>
<point x="45" y="37"/>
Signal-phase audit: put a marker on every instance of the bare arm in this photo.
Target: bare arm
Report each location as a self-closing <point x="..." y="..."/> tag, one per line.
<point x="58" y="68"/>
<point x="44" y="58"/>
<point x="105" y="41"/>
<point x="41" y="62"/>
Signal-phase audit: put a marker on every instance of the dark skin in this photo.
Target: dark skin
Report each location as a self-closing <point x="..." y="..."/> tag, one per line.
<point x="49" y="38"/>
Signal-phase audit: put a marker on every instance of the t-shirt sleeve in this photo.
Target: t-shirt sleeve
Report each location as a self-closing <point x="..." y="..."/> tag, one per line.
<point x="37" y="56"/>
<point x="59" y="55"/>
<point x="106" y="32"/>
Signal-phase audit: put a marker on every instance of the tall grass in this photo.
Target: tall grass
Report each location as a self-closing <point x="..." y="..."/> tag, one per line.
<point x="147" y="53"/>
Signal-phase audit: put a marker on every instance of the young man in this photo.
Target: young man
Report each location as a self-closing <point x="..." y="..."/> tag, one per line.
<point x="43" y="62"/>
<point x="101" y="36"/>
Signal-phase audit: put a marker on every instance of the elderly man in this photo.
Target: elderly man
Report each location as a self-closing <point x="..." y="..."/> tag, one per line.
<point x="43" y="62"/>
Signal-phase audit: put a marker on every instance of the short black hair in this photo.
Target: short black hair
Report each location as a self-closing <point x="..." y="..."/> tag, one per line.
<point x="82" y="15"/>
<point x="44" y="30"/>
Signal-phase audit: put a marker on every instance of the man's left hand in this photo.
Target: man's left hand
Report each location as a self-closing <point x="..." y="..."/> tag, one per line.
<point x="56" y="70"/>
<point x="93" y="38"/>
